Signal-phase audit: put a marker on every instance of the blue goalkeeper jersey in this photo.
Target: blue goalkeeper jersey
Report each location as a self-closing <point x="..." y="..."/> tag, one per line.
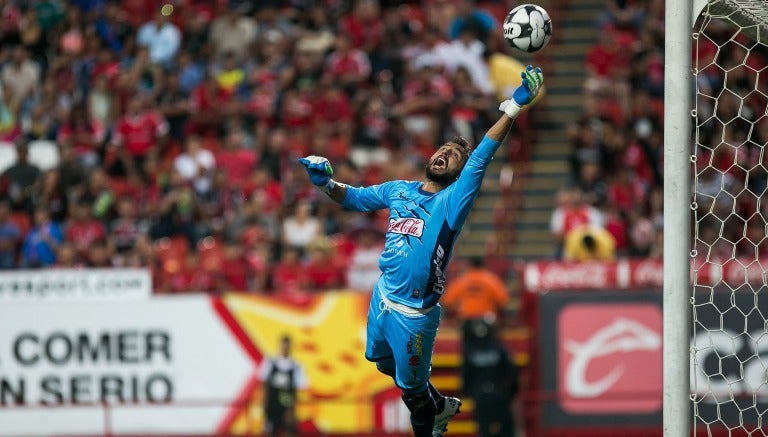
<point x="422" y="229"/>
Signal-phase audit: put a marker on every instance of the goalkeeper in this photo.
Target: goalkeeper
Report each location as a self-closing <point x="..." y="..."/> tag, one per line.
<point x="424" y="220"/>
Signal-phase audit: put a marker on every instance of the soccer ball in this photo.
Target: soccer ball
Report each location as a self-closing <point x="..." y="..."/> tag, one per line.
<point x="527" y="28"/>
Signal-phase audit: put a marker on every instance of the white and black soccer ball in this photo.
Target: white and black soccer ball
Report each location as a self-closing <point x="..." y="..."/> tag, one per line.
<point x="528" y="28"/>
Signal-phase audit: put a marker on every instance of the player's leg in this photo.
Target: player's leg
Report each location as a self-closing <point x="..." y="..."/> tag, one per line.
<point x="412" y="339"/>
<point x="377" y="348"/>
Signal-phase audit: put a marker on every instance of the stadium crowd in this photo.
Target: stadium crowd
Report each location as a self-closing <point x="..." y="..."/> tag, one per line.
<point x="174" y="128"/>
<point x="612" y="205"/>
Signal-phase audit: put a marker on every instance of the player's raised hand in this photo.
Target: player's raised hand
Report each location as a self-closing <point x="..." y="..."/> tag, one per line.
<point x="533" y="79"/>
<point x="318" y="169"/>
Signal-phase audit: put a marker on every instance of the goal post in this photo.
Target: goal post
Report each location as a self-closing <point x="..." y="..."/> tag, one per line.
<point x="677" y="145"/>
<point x="716" y="218"/>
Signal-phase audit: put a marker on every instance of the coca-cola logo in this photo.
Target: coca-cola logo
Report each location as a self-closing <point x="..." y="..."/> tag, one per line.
<point x="407" y="226"/>
<point x="648" y="273"/>
<point x="587" y="275"/>
<point x="609" y="358"/>
<point x="740" y="272"/>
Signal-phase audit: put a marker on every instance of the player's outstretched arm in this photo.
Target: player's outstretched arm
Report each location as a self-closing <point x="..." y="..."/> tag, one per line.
<point x="524" y="94"/>
<point x="320" y="172"/>
<point x="468" y="185"/>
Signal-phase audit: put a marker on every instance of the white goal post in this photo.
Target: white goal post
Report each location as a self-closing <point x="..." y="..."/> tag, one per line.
<point x="725" y="402"/>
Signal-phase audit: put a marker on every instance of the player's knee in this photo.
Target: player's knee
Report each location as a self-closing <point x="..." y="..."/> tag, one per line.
<point x="421" y="405"/>
<point x="386" y="368"/>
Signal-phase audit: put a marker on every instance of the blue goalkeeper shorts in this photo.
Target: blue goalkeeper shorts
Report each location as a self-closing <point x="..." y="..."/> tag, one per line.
<point x="401" y="344"/>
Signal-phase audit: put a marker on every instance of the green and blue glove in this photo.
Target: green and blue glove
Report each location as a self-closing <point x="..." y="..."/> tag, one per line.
<point x="319" y="171"/>
<point x="533" y="79"/>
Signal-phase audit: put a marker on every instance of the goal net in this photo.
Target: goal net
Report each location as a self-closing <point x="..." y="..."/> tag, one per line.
<point x="729" y="365"/>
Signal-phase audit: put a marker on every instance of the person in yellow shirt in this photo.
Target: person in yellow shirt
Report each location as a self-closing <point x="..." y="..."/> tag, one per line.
<point x="589" y="243"/>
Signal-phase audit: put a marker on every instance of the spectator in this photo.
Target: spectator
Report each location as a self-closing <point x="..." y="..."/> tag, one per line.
<point x="571" y="212"/>
<point x="10" y="237"/>
<point x="301" y="227"/>
<point x="470" y="17"/>
<point x="84" y="133"/>
<point x="98" y="194"/>
<point x="196" y="165"/>
<point x="425" y="93"/>
<point x="173" y="104"/>
<point x="232" y="32"/>
<point x="288" y="276"/>
<point x="42" y="241"/>
<point x="237" y="161"/>
<point x="138" y="134"/>
<point x="471" y="104"/>
<point x="101" y="102"/>
<point x="363" y="265"/>
<point x="467" y="52"/>
<point x="161" y="37"/>
<point x="66" y="257"/>
<point x="476" y="293"/>
<point x="71" y="171"/>
<point x="22" y="179"/>
<point x="347" y="66"/>
<point x="83" y="230"/>
<point x="589" y="243"/>
<point x="230" y="74"/>
<point x="176" y="210"/>
<point x="324" y="272"/>
<point x="126" y="228"/>
<point x="191" y="72"/>
<point x="20" y="77"/>
<point x="53" y="195"/>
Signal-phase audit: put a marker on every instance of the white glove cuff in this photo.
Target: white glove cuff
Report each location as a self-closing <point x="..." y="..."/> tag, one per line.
<point x="512" y="109"/>
<point x="327" y="188"/>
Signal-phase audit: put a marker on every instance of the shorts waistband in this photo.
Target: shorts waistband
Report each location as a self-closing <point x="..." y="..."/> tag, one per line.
<point x="403" y="309"/>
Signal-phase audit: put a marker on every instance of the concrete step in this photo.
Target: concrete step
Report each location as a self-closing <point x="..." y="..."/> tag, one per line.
<point x="549" y="167"/>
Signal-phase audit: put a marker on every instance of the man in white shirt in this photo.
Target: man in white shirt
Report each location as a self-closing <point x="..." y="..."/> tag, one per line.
<point x="161" y="37"/>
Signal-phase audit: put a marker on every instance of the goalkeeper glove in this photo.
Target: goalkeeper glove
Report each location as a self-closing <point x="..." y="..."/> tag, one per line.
<point x="524" y="94"/>
<point x="319" y="171"/>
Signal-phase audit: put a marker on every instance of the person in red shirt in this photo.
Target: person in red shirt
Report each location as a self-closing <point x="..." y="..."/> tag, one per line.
<point x="82" y="230"/>
<point x="208" y="104"/>
<point x="570" y="214"/>
<point x="425" y="94"/>
<point x="364" y="25"/>
<point x="84" y="133"/>
<point x="288" y="276"/>
<point x="138" y="134"/>
<point x="348" y="66"/>
<point x="333" y="113"/>
<point x="237" y="161"/>
<point x="323" y="272"/>
<point x="607" y="67"/>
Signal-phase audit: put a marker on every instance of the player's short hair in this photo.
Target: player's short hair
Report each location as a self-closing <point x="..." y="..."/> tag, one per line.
<point x="462" y="142"/>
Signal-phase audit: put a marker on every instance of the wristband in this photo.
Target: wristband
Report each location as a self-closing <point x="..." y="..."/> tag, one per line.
<point x="512" y="109"/>
<point x="327" y="188"/>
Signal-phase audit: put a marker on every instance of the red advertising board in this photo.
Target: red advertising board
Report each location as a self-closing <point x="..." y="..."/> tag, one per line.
<point x="596" y="348"/>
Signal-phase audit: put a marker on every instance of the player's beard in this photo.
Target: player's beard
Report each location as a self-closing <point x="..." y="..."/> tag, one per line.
<point x="446" y="178"/>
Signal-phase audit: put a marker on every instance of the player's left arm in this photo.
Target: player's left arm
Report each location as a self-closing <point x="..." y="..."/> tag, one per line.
<point x="467" y="187"/>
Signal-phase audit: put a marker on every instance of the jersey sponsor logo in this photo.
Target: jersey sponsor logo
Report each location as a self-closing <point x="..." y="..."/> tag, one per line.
<point x="407" y="226"/>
